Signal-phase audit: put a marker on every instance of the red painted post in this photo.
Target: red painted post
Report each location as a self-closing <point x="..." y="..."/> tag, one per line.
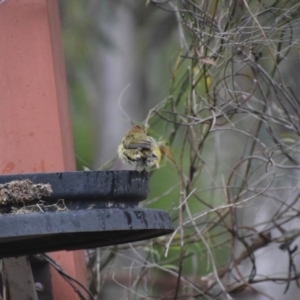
<point x="35" y="128"/>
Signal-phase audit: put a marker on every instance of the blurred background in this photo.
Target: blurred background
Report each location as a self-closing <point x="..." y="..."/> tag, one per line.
<point x="218" y="81"/>
<point x="119" y="58"/>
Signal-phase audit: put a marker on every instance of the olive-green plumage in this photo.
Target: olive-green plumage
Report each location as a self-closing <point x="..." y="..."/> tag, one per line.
<point x="139" y="149"/>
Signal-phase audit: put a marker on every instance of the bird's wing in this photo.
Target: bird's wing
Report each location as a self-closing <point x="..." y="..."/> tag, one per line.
<point x="138" y="144"/>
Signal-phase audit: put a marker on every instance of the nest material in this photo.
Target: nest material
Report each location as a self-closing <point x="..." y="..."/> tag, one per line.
<point x="23" y="191"/>
<point x="41" y="206"/>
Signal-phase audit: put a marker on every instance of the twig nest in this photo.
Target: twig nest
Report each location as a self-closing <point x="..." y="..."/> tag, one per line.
<point x="22" y="191"/>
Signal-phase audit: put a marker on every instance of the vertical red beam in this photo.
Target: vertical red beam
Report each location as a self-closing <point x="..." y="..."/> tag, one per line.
<point x="35" y="128"/>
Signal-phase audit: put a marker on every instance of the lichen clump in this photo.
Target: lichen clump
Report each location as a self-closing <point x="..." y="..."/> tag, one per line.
<point x="22" y="191"/>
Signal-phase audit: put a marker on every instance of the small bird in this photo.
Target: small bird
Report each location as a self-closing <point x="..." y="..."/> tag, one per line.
<point x="139" y="149"/>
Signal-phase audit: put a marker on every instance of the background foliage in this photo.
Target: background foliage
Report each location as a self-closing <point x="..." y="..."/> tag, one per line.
<point x="218" y="80"/>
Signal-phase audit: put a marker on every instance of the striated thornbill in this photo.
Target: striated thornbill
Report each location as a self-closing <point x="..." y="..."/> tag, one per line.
<point x="139" y="149"/>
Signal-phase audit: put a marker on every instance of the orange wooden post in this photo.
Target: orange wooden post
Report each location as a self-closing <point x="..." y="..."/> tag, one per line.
<point x="35" y="128"/>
